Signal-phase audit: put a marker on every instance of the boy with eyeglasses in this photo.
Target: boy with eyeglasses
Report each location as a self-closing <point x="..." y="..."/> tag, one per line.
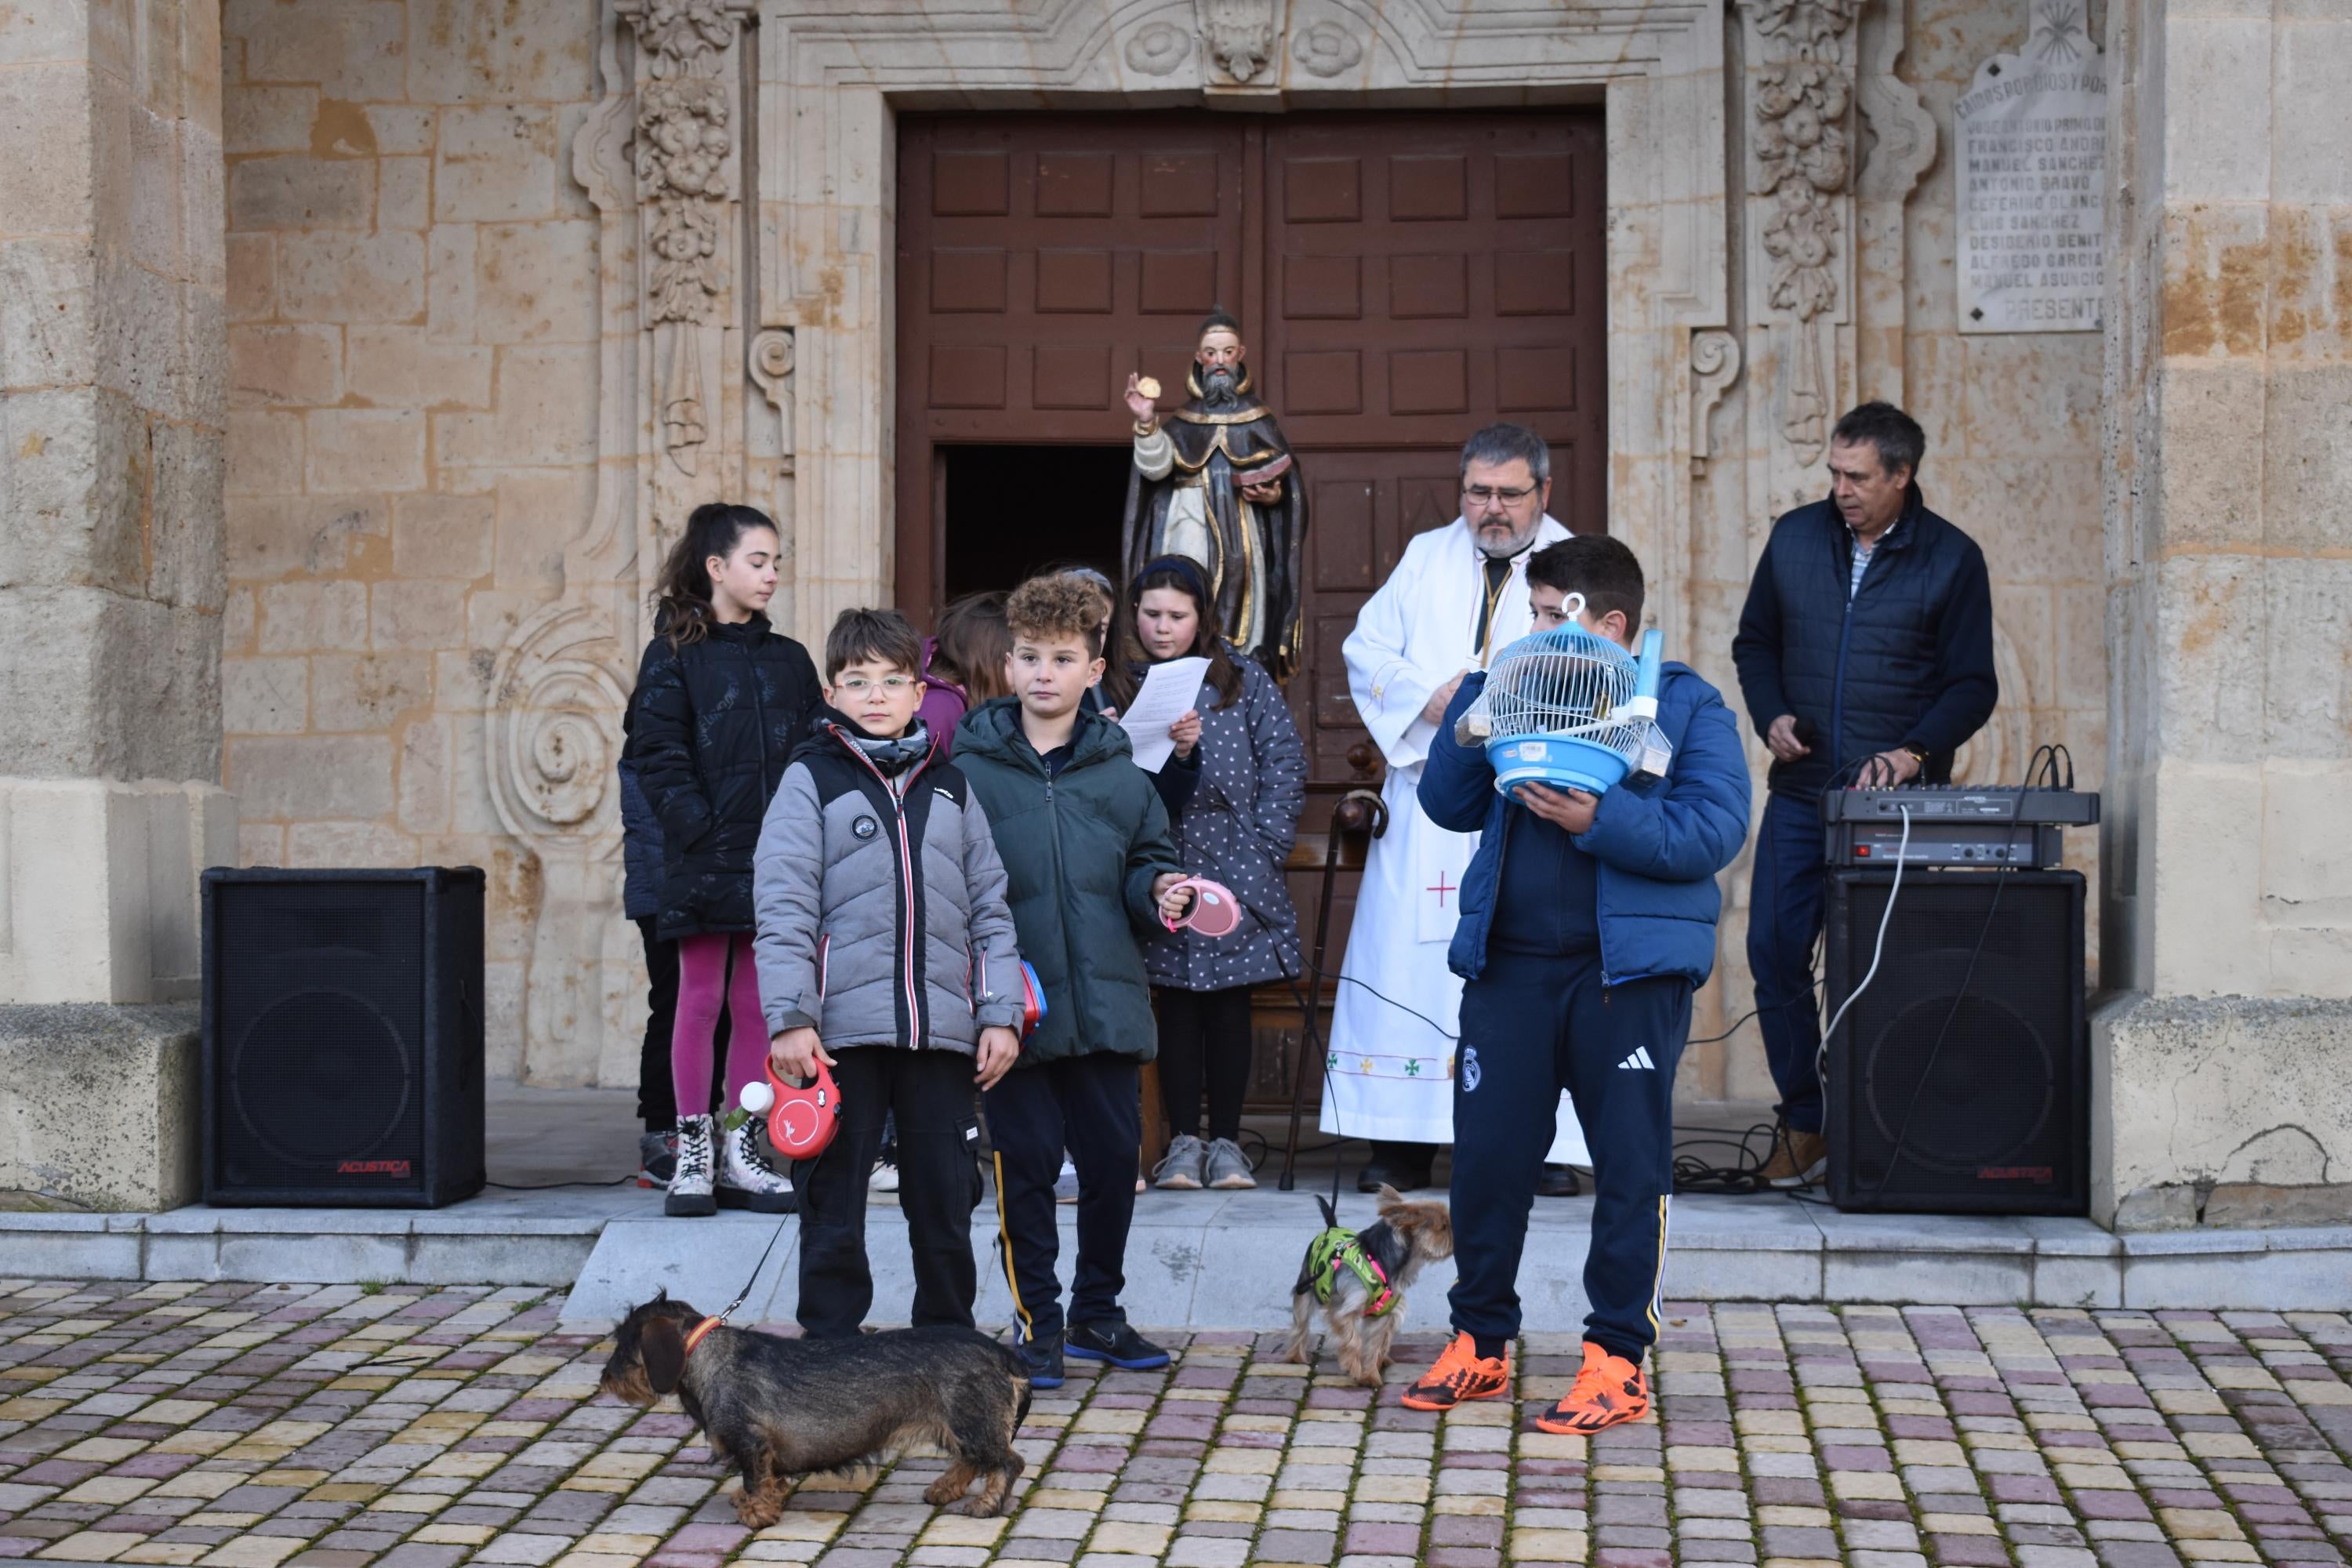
<point x="886" y="952"/>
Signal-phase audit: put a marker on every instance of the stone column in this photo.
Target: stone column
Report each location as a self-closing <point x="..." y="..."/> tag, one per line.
<point x="2223" y="1069"/>
<point x="112" y="361"/>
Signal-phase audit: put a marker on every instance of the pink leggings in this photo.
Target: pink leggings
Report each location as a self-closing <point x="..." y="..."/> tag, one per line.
<point x="704" y="987"/>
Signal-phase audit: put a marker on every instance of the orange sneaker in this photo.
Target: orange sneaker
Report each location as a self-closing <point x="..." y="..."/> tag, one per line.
<point x="1609" y="1390"/>
<point x="1460" y="1374"/>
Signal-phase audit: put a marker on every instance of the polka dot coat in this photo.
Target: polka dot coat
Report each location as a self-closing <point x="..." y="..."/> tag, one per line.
<point x="1237" y="829"/>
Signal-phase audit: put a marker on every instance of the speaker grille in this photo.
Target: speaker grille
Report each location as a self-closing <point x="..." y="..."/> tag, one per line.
<point x="322" y="1024"/>
<point x="1979" y="1077"/>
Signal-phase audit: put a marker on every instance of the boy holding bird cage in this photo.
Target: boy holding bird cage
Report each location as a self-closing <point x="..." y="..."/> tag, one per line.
<point x="1586" y="922"/>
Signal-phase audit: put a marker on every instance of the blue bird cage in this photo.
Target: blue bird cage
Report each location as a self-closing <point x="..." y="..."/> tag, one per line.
<point x="1569" y="711"/>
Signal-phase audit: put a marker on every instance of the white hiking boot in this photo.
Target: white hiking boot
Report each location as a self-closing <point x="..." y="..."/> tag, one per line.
<point x="690" y="1187"/>
<point x="746" y="1178"/>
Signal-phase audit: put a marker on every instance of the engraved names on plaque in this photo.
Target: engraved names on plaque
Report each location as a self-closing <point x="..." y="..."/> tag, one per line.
<point x="2032" y="149"/>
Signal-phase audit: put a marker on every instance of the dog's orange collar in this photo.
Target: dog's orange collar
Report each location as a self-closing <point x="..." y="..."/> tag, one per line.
<point x="699" y="1331"/>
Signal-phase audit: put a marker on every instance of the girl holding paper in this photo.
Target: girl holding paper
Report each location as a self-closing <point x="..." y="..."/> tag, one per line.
<point x="1236" y="828"/>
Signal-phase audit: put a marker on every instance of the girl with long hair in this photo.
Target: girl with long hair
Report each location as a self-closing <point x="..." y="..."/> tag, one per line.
<point x="1236" y="828"/>
<point x="721" y="700"/>
<point x="963" y="663"/>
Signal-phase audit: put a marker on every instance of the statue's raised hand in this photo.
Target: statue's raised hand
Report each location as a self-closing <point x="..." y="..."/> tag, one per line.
<point x="1140" y="401"/>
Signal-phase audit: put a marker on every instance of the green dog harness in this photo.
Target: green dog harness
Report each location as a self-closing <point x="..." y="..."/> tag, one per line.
<point x="1337" y="1248"/>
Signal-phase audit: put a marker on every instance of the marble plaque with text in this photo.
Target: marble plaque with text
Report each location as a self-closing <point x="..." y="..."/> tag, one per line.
<point x="2032" y="144"/>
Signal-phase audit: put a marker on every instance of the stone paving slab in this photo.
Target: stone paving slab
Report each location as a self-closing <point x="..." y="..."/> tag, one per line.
<point x="298" y="1427"/>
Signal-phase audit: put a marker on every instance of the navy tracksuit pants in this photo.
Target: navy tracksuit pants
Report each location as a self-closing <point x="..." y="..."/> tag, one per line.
<point x="1091" y="1105"/>
<point x="1784" y="920"/>
<point x="1532" y="1026"/>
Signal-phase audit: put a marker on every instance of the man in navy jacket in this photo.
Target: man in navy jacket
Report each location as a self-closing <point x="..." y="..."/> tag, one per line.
<point x="1866" y="655"/>
<point x="1586" y="922"/>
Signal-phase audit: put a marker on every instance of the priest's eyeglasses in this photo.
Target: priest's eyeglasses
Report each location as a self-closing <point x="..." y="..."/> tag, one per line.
<point x="1486" y="495"/>
<point x="858" y="685"/>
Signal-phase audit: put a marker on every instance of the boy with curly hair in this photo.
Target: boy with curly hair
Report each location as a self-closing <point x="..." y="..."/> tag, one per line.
<point x="1091" y="870"/>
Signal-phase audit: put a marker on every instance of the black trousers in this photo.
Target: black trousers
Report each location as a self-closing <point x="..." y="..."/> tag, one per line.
<point x="931" y="1094"/>
<point x="1092" y="1106"/>
<point x="1531" y="1027"/>
<point x="657" y="1100"/>
<point x="1203" y="1036"/>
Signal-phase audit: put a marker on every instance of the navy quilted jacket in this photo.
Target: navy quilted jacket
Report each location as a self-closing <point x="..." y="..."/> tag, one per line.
<point x="1906" y="662"/>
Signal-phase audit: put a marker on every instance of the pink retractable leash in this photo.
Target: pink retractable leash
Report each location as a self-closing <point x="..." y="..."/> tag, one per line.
<point x="1213" y="911"/>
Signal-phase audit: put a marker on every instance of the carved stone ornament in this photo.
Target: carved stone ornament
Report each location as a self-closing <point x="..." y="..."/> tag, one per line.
<point x="682" y="152"/>
<point x="1326" y="49"/>
<point x="770" y="362"/>
<point x="1243" y="35"/>
<point x="1715" y="365"/>
<point x="556" y="728"/>
<point x="1902" y="129"/>
<point x="1803" y="162"/>
<point x="1157" y="48"/>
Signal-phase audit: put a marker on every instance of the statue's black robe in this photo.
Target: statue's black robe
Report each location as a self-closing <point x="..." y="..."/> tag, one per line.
<point x="1222" y="449"/>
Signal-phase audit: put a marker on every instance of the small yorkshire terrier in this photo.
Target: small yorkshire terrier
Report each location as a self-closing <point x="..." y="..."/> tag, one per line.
<point x="1359" y="1280"/>
<point x="778" y="1408"/>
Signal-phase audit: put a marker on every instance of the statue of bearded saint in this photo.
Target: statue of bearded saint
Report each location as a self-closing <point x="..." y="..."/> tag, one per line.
<point x="1214" y="481"/>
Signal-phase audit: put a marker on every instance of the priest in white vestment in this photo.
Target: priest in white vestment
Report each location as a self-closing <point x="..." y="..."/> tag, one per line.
<point x="1457" y="598"/>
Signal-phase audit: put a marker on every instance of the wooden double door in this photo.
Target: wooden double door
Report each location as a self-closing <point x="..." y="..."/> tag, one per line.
<point x="1402" y="279"/>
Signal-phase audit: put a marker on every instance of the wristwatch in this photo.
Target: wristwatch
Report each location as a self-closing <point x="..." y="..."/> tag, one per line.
<point x="1919" y="753"/>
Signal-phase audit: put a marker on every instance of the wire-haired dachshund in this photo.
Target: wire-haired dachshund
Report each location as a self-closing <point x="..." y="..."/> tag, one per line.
<point x="777" y="1408"/>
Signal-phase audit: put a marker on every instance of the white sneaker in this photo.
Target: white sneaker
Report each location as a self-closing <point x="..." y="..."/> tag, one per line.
<point x="690" y="1184"/>
<point x="1065" y="1185"/>
<point x="885" y="1178"/>
<point x="746" y="1178"/>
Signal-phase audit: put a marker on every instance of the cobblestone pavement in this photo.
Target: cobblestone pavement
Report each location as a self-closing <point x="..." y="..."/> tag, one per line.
<point x="255" y="1425"/>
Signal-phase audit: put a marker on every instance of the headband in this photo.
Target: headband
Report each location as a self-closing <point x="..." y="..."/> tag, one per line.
<point x="1183" y="566"/>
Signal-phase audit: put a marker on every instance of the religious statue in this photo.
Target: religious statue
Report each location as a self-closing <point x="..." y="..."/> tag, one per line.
<point x="1216" y="483"/>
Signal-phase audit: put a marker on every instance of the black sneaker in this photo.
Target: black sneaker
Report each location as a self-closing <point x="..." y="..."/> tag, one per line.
<point x="1116" y="1342"/>
<point x="657" y="1159"/>
<point x="1044" y="1358"/>
<point x="1557" y="1181"/>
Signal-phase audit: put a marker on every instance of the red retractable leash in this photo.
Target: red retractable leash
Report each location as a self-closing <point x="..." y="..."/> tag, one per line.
<point x="801" y="1121"/>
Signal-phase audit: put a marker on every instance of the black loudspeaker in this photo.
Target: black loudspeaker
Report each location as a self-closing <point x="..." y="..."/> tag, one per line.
<point x="1951" y="1090"/>
<point x="343" y="1037"/>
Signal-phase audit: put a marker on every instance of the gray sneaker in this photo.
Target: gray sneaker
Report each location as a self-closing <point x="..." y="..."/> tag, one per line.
<point x="1181" y="1171"/>
<point x="1227" y="1168"/>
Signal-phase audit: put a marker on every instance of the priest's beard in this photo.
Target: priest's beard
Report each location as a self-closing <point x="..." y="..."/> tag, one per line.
<point x="1497" y="540"/>
<point x="1221" y="390"/>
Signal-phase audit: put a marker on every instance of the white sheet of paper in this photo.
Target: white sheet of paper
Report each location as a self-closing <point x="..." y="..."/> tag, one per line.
<point x="1168" y="693"/>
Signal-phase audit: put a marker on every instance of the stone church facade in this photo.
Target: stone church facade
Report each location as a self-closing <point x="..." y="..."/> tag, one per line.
<point x="360" y="357"/>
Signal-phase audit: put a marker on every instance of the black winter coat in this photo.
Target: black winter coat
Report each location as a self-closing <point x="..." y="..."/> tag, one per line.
<point x="1906" y="662"/>
<point x="641" y="835"/>
<point x="716" y="723"/>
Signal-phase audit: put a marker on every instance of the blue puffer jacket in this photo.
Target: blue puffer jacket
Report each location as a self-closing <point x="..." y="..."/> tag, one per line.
<point x="1908" y="662"/>
<point x="1660" y="842"/>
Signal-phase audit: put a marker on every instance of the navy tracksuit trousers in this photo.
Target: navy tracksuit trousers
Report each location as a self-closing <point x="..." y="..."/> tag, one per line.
<point x="1091" y="1105"/>
<point x="1533" y="1025"/>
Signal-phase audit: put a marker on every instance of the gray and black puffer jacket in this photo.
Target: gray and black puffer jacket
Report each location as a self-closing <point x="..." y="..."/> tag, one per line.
<point x="881" y="901"/>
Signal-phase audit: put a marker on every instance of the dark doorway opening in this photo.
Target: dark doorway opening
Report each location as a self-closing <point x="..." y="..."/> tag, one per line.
<point x="1011" y="510"/>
